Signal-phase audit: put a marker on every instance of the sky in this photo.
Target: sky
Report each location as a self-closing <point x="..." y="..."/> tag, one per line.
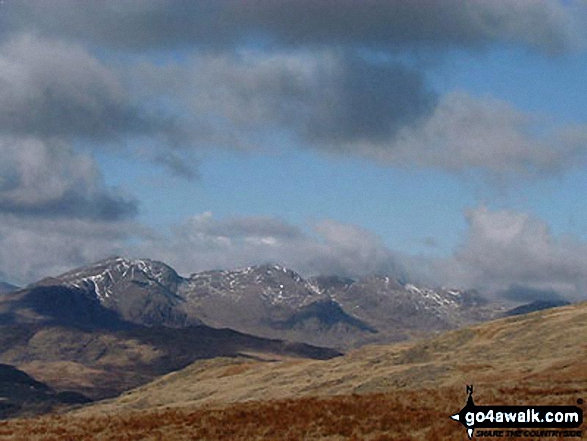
<point x="442" y="142"/>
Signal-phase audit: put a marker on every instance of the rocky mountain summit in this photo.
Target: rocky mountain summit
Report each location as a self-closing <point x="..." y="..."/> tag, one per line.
<point x="274" y="301"/>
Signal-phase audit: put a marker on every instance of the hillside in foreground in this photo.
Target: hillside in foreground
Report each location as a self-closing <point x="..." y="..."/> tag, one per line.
<point x="400" y="392"/>
<point x="524" y="349"/>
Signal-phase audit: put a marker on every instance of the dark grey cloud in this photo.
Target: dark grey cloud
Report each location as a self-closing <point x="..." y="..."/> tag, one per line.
<point x="179" y="165"/>
<point x="364" y="102"/>
<point x="330" y="100"/>
<point x="72" y="204"/>
<point x="430" y="242"/>
<point x="48" y="179"/>
<point x="56" y="89"/>
<point x="165" y="24"/>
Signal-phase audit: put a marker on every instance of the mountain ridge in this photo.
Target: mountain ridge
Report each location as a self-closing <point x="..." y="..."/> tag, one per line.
<point x="273" y="301"/>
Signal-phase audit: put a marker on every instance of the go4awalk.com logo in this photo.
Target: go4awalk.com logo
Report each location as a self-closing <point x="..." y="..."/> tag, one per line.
<point x="518" y="421"/>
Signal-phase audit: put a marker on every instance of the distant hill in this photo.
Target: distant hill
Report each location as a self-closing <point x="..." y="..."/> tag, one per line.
<point x="536" y="305"/>
<point x="7" y="287"/>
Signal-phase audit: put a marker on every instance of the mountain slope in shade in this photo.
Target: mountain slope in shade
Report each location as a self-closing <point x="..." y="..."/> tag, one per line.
<point x="542" y="351"/>
<point x="7" y="287"/>
<point x="57" y="305"/>
<point x="275" y="302"/>
<point x="102" y="363"/>
<point x="22" y="395"/>
<point x="536" y="305"/>
<point x="68" y="338"/>
<point x="141" y="292"/>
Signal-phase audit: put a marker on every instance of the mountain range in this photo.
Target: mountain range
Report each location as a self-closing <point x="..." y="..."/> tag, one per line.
<point x="269" y="301"/>
<point x="117" y="324"/>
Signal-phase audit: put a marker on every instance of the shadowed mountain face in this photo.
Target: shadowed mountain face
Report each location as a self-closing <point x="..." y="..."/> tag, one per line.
<point x="7" y="287"/>
<point x="274" y="302"/>
<point x="102" y="363"/>
<point x="66" y="337"/>
<point x="58" y="305"/>
<point x="141" y="292"/>
<point x="536" y="305"/>
<point x="22" y="395"/>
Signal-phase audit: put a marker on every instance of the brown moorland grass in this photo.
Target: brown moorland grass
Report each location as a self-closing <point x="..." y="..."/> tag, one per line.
<point x="544" y="349"/>
<point x="399" y="416"/>
<point x="402" y="392"/>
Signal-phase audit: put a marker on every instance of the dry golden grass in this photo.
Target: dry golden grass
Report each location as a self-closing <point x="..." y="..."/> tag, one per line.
<point x="550" y="344"/>
<point x="400" y="392"/>
<point x="400" y="416"/>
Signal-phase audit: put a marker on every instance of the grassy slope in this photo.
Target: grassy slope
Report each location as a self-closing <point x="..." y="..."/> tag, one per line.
<point x="400" y="392"/>
<point x="530" y="349"/>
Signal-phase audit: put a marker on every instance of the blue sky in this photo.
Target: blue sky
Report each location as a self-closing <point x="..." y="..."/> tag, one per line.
<point x="406" y="207"/>
<point x="443" y="142"/>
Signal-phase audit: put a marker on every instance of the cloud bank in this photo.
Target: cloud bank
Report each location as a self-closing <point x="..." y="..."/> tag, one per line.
<point x="504" y="253"/>
<point x="165" y="81"/>
<point x="329" y="247"/>
<point x="220" y="24"/>
<point x="514" y="255"/>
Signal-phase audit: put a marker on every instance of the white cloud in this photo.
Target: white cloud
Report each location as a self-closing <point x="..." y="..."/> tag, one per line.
<point x="33" y="248"/>
<point x="504" y="249"/>
<point x="486" y="134"/>
<point x="204" y="242"/>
